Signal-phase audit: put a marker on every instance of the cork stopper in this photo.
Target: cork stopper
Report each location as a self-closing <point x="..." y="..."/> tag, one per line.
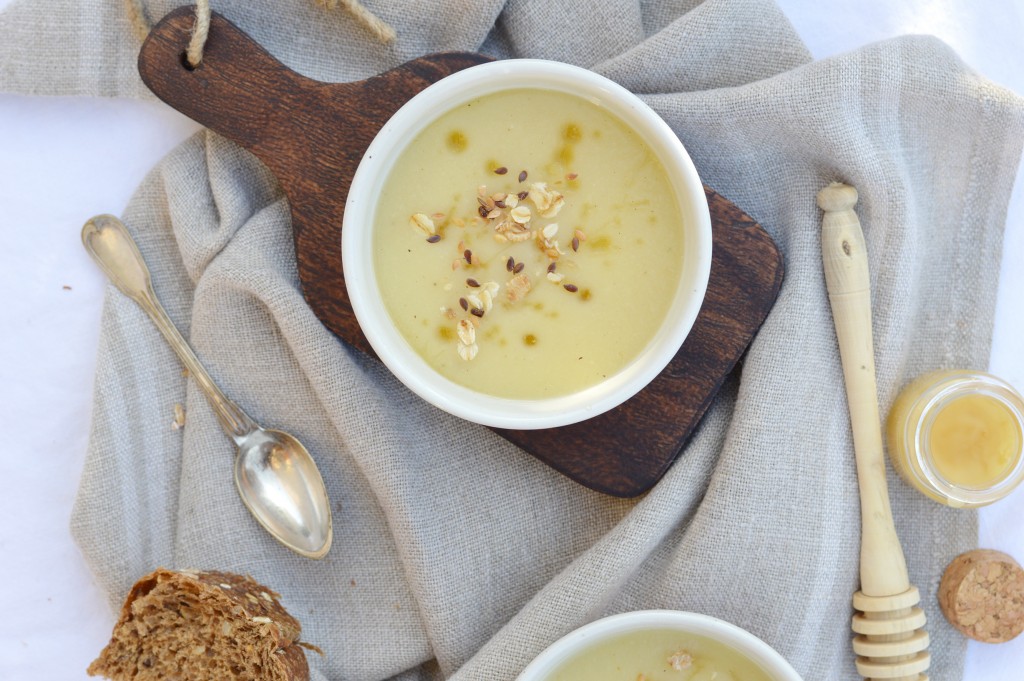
<point x="982" y="595"/>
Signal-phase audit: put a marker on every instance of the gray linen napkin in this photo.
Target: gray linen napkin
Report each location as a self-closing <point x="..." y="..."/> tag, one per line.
<point x="455" y="553"/>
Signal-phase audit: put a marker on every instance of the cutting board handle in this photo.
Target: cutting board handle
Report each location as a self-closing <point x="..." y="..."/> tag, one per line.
<point x="234" y="91"/>
<point x="309" y="133"/>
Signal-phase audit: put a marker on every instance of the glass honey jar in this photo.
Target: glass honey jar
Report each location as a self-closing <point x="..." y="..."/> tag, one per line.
<point x="957" y="436"/>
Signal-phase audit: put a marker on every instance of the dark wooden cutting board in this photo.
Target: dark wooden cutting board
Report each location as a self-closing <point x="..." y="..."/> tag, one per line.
<point x="312" y="136"/>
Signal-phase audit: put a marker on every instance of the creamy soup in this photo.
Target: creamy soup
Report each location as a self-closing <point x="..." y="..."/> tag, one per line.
<point x="528" y="244"/>
<point x="659" y="655"/>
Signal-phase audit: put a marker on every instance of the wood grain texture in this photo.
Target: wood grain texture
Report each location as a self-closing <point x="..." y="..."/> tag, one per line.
<point x="312" y="135"/>
<point x="891" y="642"/>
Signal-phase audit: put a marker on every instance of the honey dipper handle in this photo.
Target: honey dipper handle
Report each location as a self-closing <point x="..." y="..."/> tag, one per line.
<point x="883" y="569"/>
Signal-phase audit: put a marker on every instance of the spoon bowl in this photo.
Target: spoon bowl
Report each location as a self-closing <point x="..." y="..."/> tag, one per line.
<point x="276" y="477"/>
<point x="274" y="468"/>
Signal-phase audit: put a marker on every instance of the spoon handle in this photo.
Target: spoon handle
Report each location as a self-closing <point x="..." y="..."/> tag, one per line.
<point x="108" y="242"/>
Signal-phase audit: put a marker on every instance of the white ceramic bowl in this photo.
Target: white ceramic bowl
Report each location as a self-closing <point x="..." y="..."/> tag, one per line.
<point x="357" y="244"/>
<point x="596" y="633"/>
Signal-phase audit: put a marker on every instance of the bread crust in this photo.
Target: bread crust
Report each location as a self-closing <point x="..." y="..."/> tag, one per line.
<point x="251" y="613"/>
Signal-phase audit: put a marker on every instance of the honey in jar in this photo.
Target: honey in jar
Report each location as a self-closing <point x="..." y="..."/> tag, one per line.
<point x="957" y="436"/>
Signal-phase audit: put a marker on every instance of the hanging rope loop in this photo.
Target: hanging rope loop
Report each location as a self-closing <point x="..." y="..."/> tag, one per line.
<point x="201" y="29"/>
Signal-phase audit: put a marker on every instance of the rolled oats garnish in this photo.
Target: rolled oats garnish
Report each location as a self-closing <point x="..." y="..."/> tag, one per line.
<point x="556" y="206"/>
<point x="468" y="352"/>
<point x="422" y="224"/>
<point x="520" y="214"/>
<point x="225" y="586"/>
<point x="510" y="220"/>
<point x="548" y="201"/>
<point x="547" y="243"/>
<point x="467" y="333"/>
<point x="517" y="288"/>
<point x="680" y="660"/>
<point x="486" y="300"/>
<point x="517" y="233"/>
<point x="262" y="620"/>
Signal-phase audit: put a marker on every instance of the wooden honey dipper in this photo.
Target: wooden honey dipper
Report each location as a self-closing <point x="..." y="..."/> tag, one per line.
<point x="891" y="642"/>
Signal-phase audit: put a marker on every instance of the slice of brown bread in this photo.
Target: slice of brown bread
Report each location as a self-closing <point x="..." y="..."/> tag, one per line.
<point x="197" y="626"/>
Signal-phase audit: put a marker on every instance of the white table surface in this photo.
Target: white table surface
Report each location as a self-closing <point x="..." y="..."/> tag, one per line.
<point x="63" y="160"/>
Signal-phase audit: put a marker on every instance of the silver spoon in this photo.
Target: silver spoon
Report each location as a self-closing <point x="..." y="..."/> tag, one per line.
<point x="275" y="475"/>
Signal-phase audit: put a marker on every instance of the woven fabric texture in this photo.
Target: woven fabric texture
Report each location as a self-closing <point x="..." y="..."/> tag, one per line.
<point x="456" y="554"/>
